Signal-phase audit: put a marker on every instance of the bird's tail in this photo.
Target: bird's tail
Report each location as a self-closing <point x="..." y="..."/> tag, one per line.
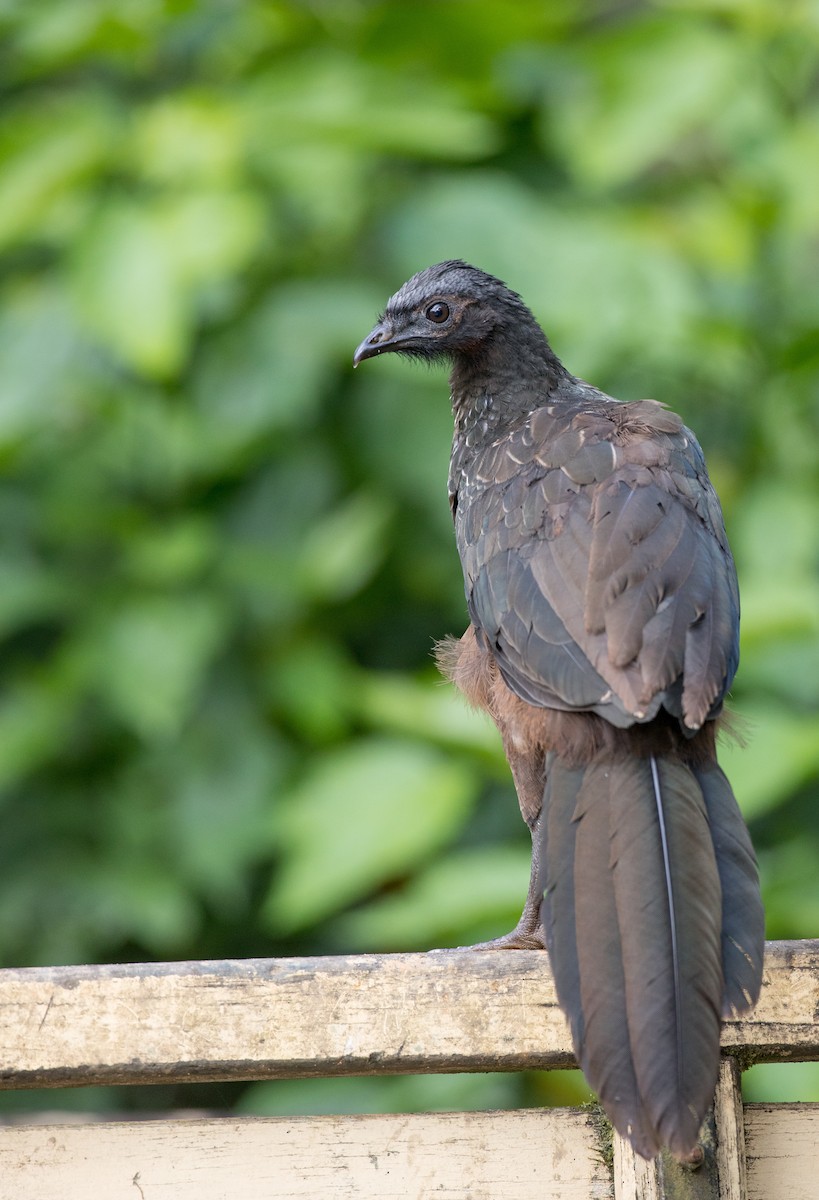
<point x="655" y="930"/>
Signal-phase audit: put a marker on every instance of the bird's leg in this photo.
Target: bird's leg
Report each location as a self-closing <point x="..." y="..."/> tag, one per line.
<point x="469" y="664"/>
<point x="528" y="934"/>
<point x="528" y="773"/>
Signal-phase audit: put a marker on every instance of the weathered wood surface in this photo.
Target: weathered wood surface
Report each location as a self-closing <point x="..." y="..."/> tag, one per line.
<point x="782" y="1148"/>
<point x="365" y="1014"/>
<point x="720" y="1175"/>
<point x="281" y="1017"/>
<point x="634" y="1178"/>
<point x="486" y="1156"/>
<point x="546" y="1155"/>
<point x="729" y="1120"/>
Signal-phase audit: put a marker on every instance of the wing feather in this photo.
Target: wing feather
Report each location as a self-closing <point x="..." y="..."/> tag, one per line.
<point x="626" y="572"/>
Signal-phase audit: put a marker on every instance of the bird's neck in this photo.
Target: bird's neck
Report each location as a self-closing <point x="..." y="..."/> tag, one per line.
<point x="496" y="383"/>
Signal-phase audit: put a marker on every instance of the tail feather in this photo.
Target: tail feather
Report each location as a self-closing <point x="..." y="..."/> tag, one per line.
<point x="588" y="970"/>
<point x="606" y="1055"/>
<point x="667" y="894"/>
<point x="743" y="918"/>
<point x="558" y="830"/>
<point x="644" y="903"/>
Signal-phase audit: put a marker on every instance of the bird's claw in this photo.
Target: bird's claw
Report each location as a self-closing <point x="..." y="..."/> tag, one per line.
<point x="517" y="939"/>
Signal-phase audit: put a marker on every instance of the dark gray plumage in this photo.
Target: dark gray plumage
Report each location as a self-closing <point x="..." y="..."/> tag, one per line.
<point x="604" y="634"/>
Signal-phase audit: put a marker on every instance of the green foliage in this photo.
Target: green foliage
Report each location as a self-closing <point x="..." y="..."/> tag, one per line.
<point x="362" y="816"/>
<point x="224" y="558"/>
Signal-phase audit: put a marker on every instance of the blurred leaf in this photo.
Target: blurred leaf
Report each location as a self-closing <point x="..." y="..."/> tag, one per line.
<point x="410" y="1093"/>
<point x="788" y="874"/>
<point x="47" y="152"/>
<point x="29" y="591"/>
<point x="90" y="1100"/>
<point x="314" y="686"/>
<point x="647" y="87"/>
<point x="137" y="270"/>
<point x="190" y="136"/>
<point x="782" y="753"/>
<point x="173" y="553"/>
<point x="403" y="424"/>
<point x="362" y="815"/>
<point x="129" y="291"/>
<point x="776" y="605"/>
<point x="34" y="722"/>
<point x="92" y="901"/>
<point x="227" y="774"/>
<point x="60" y="31"/>
<point x="772" y="506"/>
<point x="432" y="710"/>
<point x="336" y="99"/>
<point x="343" y="552"/>
<point x="46" y="375"/>
<point x="152" y="654"/>
<point x="472" y="895"/>
<point x="787" y="669"/>
<point x="210" y="233"/>
<point x="144" y="903"/>
<point x="780" y="1083"/>
<point x="269" y="373"/>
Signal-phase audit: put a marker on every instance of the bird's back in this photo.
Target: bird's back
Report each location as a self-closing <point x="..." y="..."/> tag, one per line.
<point x="595" y="557"/>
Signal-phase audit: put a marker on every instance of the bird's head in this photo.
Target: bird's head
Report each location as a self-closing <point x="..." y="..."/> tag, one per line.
<point x="443" y="311"/>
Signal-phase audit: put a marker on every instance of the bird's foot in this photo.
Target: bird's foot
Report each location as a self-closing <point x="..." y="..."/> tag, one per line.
<point x="524" y="936"/>
<point x="518" y="939"/>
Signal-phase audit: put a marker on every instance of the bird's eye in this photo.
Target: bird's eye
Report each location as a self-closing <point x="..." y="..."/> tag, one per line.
<point x="437" y="312"/>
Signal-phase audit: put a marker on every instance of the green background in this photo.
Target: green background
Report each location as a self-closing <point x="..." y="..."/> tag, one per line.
<point x="224" y="557"/>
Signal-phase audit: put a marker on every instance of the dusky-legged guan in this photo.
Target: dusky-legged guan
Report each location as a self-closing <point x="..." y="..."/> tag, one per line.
<point x="604" y="633"/>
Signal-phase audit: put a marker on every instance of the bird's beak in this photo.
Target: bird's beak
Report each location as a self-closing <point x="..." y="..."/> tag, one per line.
<point x="382" y="338"/>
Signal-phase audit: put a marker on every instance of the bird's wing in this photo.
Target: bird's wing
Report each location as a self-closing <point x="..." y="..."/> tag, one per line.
<point x="596" y="562"/>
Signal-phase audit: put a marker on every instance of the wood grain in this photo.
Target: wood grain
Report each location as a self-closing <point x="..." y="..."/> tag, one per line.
<point x="782" y="1151"/>
<point x="546" y="1155"/>
<point x="634" y="1178"/>
<point x="357" y="1015"/>
<point x="729" y="1119"/>
<point x="485" y="1156"/>
<point x="719" y="1175"/>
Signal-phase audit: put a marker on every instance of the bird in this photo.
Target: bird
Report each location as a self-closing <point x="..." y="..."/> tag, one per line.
<point x="603" y="636"/>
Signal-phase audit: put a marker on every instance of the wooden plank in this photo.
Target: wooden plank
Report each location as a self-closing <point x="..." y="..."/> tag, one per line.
<point x="256" y="1019"/>
<point x="547" y="1155"/>
<point x="522" y="1155"/>
<point x="729" y="1120"/>
<point x="634" y="1177"/>
<point x="710" y="1173"/>
<point x="777" y="1157"/>
<point x="358" y="1015"/>
<point x="782" y="1026"/>
<point x="782" y="1148"/>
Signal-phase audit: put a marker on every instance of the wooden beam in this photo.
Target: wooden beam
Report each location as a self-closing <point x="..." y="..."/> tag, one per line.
<point x="547" y="1155"/>
<point x="718" y="1173"/>
<point x="634" y="1177"/>
<point x="782" y="1026"/>
<point x="542" y="1155"/>
<point x="255" y="1019"/>
<point x="729" y="1120"/>
<point x="357" y="1015"/>
<point x="782" y="1146"/>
